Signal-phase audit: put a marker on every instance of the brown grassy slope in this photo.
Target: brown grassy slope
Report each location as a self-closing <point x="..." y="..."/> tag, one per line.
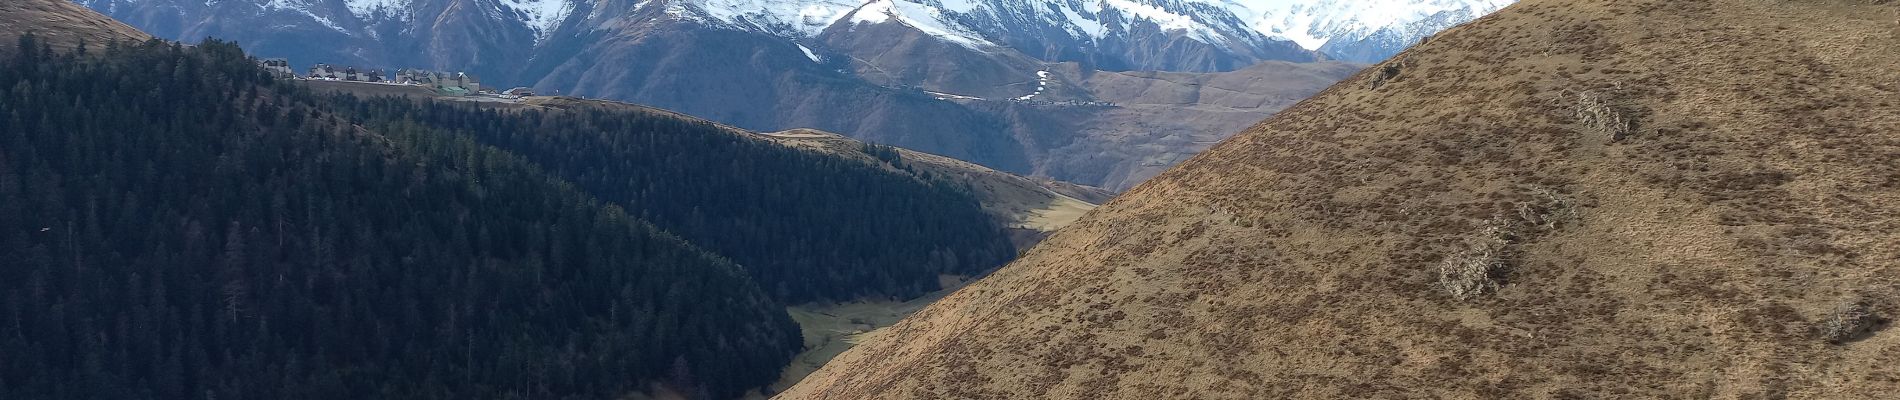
<point x="1697" y="257"/>
<point x="61" y="23"/>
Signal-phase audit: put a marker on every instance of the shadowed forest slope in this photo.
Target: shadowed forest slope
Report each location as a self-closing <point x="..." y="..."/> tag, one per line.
<point x="176" y="223"/>
<point x="1566" y="199"/>
<point x="808" y="226"/>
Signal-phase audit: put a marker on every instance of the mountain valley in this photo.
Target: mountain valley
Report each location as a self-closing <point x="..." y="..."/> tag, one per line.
<point x="872" y="70"/>
<point x="210" y="228"/>
<point x="949" y="199"/>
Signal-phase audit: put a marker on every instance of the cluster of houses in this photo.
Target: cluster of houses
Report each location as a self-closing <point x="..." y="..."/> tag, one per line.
<point x="329" y="72"/>
<point x="458" y="83"/>
<point x="278" y="67"/>
<point x="450" y="83"/>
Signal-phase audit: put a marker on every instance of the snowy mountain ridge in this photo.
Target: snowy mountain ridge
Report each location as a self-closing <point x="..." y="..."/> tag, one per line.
<point x="1313" y="23"/>
<point x="1245" y="28"/>
<point x="1310" y="23"/>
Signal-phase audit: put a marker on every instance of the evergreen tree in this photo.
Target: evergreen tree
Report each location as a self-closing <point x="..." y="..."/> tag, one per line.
<point x="176" y="224"/>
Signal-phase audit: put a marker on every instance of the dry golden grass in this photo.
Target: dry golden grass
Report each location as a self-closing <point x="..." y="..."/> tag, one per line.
<point x="61" y="23"/>
<point x="1706" y="253"/>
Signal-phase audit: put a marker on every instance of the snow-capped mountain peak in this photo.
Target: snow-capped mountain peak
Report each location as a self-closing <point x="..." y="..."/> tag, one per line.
<point x="1188" y="35"/>
<point x="1316" y="23"/>
<point x="1231" y="23"/>
<point x="788" y="18"/>
<point x="540" y="15"/>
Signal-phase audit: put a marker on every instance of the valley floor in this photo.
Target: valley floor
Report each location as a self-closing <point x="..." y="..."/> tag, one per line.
<point x="830" y="329"/>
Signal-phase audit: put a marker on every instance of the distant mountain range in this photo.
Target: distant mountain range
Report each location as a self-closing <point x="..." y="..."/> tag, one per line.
<point x="1003" y="83"/>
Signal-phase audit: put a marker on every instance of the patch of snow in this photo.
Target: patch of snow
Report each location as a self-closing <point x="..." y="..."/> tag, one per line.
<point x="540" y="15"/>
<point x="367" y="9"/>
<point x="1167" y="20"/>
<point x="810" y="54"/>
<point x="874" y="12"/>
<point x="929" y="19"/>
<point x="948" y="96"/>
<point x="1313" y="23"/>
<point x="1042" y="84"/>
<point x="789" y="18"/>
<point x="1084" y="25"/>
<point x="303" y="7"/>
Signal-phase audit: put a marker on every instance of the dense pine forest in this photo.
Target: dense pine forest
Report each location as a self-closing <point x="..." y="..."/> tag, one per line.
<point x="174" y="224"/>
<point x="808" y="226"/>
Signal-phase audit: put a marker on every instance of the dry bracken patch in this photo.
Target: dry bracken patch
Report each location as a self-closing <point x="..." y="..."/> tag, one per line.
<point x="1481" y="267"/>
<point x="1605" y="115"/>
<point x="1851" y="322"/>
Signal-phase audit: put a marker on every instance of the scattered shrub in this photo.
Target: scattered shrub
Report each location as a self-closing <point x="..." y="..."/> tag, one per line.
<point x="1389" y="72"/>
<point x="1547" y="210"/>
<point x="1600" y="113"/>
<point x="1484" y="263"/>
<point x="1481" y="267"/>
<point x="1850" y="323"/>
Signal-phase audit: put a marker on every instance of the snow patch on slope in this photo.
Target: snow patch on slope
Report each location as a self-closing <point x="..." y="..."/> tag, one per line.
<point x="303" y="7"/>
<point x="539" y="15"/>
<point x="787" y="18"/>
<point x="367" y="9"/>
<point x="1312" y="23"/>
<point x="932" y="20"/>
<point x="810" y="54"/>
<point x="1168" y="20"/>
<point x="1042" y="85"/>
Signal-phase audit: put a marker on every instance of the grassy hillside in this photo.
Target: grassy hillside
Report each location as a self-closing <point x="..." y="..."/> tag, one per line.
<point x="1567" y="199"/>
<point x="60" y="24"/>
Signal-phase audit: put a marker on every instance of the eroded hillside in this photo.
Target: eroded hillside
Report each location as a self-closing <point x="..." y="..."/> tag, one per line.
<point x="1595" y="199"/>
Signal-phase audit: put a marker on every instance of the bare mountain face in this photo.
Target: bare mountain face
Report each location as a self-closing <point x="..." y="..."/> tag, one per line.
<point x="1003" y="83"/>
<point x="1565" y="199"/>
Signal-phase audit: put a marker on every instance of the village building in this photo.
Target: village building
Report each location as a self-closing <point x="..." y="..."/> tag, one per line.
<point x="352" y="74"/>
<point x="278" y="67"/>
<point x="519" y="92"/>
<point x="457" y="83"/>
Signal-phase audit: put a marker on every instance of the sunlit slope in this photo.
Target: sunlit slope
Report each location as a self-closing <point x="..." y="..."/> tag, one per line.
<point x="1597" y="199"/>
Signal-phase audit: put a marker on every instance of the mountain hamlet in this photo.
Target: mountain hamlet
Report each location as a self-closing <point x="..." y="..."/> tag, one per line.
<point x="949" y="199"/>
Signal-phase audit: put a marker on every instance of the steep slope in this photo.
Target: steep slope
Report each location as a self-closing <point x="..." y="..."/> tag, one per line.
<point x="61" y="24"/>
<point x="1091" y="127"/>
<point x="1593" y="199"/>
<point x="1041" y="206"/>
<point x="807" y="226"/>
<point x="179" y="224"/>
<point x="488" y="37"/>
<point x="1158" y="119"/>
